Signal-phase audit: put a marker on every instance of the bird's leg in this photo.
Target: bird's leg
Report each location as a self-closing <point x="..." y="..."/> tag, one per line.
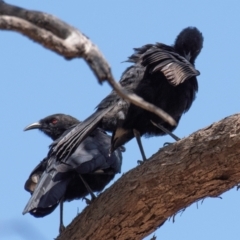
<point x="61" y="226"/>
<point x="138" y="138"/>
<point x="166" y="131"/>
<point x="89" y="191"/>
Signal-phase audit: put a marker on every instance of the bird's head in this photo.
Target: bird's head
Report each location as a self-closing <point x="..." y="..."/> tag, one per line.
<point x="54" y="125"/>
<point x="189" y="43"/>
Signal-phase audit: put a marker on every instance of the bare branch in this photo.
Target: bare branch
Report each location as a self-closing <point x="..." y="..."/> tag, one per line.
<point x="205" y="164"/>
<point x="69" y="42"/>
<point x="46" y="29"/>
<point x="39" y="35"/>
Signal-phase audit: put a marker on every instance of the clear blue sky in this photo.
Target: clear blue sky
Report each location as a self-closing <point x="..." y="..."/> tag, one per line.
<point x="36" y="82"/>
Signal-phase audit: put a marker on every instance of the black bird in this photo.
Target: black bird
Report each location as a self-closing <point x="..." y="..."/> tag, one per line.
<point x="162" y="75"/>
<point x="52" y="182"/>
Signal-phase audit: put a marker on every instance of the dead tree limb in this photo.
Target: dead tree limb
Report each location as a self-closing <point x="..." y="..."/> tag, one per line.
<point x="69" y="42"/>
<point x="205" y="164"/>
<point x="55" y="35"/>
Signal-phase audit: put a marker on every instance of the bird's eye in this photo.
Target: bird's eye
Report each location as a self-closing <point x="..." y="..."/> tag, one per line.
<point x="54" y="121"/>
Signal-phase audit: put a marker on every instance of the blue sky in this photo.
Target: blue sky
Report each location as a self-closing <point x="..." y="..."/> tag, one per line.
<point x="36" y="82"/>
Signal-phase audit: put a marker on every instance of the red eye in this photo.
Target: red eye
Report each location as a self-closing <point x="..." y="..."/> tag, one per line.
<point x="54" y="121"/>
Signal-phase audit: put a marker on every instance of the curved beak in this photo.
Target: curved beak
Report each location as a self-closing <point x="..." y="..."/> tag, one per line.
<point x="35" y="125"/>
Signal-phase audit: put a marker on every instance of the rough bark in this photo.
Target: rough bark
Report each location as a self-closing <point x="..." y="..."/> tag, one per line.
<point x="205" y="164"/>
<point x="69" y="42"/>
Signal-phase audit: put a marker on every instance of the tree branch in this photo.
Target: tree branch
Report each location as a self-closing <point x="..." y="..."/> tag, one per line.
<point x="205" y="164"/>
<point x="69" y="42"/>
<point x="55" y="35"/>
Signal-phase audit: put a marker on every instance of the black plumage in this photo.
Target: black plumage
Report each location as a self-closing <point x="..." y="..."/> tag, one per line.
<point x="162" y="75"/>
<point x="52" y="181"/>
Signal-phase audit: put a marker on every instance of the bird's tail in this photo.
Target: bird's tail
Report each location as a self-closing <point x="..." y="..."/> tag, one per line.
<point x="49" y="191"/>
<point x="63" y="147"/>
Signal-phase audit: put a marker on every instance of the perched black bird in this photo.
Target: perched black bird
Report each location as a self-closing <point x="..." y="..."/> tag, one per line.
<point x="162" y="75"/>
<point x="53" y="182"/>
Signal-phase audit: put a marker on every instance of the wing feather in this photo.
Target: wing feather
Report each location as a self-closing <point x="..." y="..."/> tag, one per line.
<point x="176" y="68"/>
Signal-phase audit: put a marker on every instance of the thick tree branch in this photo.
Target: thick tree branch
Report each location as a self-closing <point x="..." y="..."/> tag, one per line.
<point x="69" y="42"/>
<point x="205" y="164"/>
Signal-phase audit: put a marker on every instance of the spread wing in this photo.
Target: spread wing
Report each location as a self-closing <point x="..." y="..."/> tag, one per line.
<point x="176" y="68"/>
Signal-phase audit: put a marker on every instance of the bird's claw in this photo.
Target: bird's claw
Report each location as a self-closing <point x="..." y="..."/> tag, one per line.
<point x="140" y="162"/>
<point x="61" y="228"/>
<point x="164" y="145"/>
<point x="167" y="144"/>
<point x="88" y="201"/>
